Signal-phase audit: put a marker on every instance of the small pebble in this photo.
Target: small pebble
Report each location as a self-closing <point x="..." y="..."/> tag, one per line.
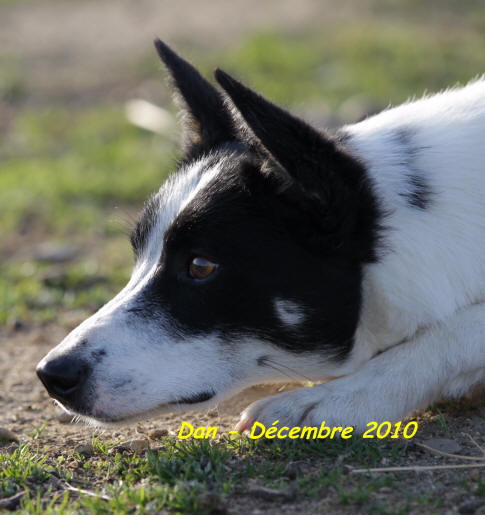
<point x="18" y="325"/>
<point x="84" y="449"/>
<point x="444" y="445"/>
<point x="137" y="445"/>
<point x="7" y="436"/>
<point x="156" y="434"/>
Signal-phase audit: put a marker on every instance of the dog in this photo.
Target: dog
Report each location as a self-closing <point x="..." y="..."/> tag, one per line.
<point x="279" y="251"/>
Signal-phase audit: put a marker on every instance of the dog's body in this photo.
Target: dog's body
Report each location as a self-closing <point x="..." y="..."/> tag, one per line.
<point x="277" y="252"/>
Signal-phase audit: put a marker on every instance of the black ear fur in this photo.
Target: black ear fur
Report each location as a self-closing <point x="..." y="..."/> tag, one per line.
<point x="328" y="200"/>
<point x="206" y="121"/>
<point x="293" y="143"/>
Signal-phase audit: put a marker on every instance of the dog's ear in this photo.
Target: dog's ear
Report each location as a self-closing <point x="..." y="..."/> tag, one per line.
<point x="321" y="186"/>
<point x="206" y="121"/>
<point x="299" y="148"/>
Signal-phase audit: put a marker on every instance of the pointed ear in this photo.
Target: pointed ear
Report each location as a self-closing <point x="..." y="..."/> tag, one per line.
<point x="298" y="147"/>
<point x="328" y="202"/>
<point x="206" y="120"/>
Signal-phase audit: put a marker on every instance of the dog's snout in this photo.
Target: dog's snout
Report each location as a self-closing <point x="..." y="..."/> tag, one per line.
<point x="63" y="377"/>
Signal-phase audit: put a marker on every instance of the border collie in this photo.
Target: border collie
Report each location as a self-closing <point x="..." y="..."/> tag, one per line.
<point x="279" y="251"/>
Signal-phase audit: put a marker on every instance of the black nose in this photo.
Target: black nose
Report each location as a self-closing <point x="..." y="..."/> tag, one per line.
<point x="63" y="377"/>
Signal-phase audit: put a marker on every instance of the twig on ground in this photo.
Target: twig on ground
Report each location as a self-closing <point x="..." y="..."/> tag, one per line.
<point x="71" y="488"/>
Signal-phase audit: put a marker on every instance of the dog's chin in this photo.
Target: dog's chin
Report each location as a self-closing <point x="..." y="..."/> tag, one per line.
<point x="102" y="419"/>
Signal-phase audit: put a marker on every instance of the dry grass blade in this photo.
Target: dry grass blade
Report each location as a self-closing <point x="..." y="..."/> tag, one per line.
<point x="449" y="455"/>
<point x="88" y="493"/>
<point x="480" y="448"/>
<point x="64" y="485"/>
<point x="418" y="468"/>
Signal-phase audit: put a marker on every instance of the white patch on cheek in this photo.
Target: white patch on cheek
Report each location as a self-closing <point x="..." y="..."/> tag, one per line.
<point x="289" y="312"/>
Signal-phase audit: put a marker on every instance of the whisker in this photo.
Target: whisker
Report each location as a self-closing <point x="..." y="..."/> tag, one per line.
<point x="124" y="220"/>
<point x="274" y="365"/>
<point x="290" y="369"/>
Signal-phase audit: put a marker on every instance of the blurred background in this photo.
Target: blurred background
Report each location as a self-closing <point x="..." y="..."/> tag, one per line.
<point x="74" y="171"/>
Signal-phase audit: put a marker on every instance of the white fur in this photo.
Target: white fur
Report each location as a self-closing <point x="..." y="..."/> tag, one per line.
<point x="289" y="312"/>
<point x="435" y="265"/>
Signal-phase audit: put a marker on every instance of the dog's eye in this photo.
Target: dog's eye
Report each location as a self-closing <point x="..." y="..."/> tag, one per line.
<point x="201" y="268"/>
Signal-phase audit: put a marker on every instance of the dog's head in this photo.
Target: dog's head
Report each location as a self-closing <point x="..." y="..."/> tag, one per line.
<point x="248" y="265"/>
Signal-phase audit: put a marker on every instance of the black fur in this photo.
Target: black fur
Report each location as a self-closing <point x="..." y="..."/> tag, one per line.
<point x="325" y="179"/>
<point x="419" y="194"/>
<point x="261" y="242"/>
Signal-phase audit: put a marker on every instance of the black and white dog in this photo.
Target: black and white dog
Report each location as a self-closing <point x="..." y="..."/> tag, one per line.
<point x="277" y="251"/>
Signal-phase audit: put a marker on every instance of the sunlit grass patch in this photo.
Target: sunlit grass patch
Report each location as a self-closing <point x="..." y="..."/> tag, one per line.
<point x="195" y="476"/>
<point x="76" y="178"/>
<point x="22" y="468"/>
<point x="62" y="169"/>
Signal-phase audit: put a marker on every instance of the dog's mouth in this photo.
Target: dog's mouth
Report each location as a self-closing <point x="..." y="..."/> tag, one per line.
<point x="194" y="399"/>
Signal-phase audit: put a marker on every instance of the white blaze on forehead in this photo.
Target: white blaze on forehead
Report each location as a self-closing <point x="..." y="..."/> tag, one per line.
<point x="289" y="312"/>
<point x="177" y="192"/>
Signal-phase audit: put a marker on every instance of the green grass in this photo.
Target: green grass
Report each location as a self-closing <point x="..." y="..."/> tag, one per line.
<point x="387" y="63"/>
<point x="177" y="475"/>
<point x="202" y="476"/>
<point x="63" y="169"/>
<point x="73" y="178"/>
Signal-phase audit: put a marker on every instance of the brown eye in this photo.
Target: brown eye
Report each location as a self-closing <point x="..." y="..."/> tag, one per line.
<point x="201" y="268"/>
